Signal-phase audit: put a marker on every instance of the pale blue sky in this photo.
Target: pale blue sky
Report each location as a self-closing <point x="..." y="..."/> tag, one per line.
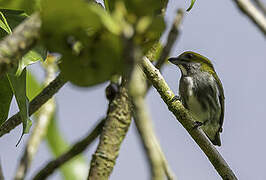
<point x="237" y="48"/>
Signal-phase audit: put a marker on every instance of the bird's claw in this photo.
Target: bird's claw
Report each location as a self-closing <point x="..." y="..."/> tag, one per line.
<point x="176" y="98"/>
<point x="197" y="124"/>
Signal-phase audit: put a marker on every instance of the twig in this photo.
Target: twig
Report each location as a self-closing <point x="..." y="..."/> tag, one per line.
<point x="184" y="117"/>
<point x="42" y="122"/>
<point x="261" y="6"/>
<point x="171" y="38"/>
<point x="76" y="149"/>
<point x="35" y="104"/>
<point x="14" y="46"/>
<point x="253" y="13"/>
<point x="144" y="126"/>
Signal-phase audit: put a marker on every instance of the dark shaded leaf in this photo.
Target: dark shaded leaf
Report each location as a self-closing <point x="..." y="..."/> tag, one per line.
<point x="3" y="23"/>
<point x="96" y="63"/>
<point x="6" y="95"/>
<point x="18" y="85"/>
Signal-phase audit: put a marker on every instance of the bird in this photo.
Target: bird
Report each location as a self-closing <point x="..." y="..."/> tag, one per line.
<point x="201" y="92"/>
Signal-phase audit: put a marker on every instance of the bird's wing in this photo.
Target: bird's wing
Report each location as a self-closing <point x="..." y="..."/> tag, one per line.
<point x="221" y="99"/>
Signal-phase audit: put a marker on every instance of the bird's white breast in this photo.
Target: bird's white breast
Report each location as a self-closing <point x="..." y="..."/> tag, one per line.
<point x="193" y="104"/>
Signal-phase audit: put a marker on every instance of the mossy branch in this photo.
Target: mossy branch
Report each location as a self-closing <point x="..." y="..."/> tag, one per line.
<point x="17" y="44"/>
<point x="184" y="117"/>
<point x="114" y="131"/>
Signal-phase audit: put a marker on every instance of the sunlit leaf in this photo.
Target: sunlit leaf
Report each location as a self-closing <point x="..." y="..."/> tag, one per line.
<point x="33" y="87"/>
<point x="6" y="95"/>
<point x="191" y="5"/>
<point x="37" y="54"/>
<point x="9" y="19"/>
<point x="3" y="23"/>
<point x="13" y="17"/>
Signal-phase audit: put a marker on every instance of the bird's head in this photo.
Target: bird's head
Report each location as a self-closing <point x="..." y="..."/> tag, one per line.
<point x="190" y="62"/>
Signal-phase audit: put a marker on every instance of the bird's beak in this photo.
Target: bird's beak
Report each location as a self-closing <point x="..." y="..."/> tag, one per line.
<point x="174" y="60"/>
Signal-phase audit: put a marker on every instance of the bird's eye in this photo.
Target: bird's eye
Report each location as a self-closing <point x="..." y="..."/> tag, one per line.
<point x="190" y="56"/>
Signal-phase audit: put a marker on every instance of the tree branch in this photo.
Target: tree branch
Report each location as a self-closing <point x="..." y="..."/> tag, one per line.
<point x="171" y="38"/>
<point x="14" y="46"/>
<point x="144" y="125"/>
<point x="42" y="122"/>
<point x="261" y="6"/>
<point x="117" y="122"/>
<point x="35" y="104"/>
<point x="184" y="117"/>
<point x="253" y="14"/>
<point x="115" y="128"/>
<point x="76" y="149"/>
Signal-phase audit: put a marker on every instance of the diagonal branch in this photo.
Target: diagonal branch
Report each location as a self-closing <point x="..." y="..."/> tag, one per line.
<point x="143" y="122"/>
<point x="261" y="6"/>
<point x="171" y="38"/>
<point x="184" y="117"/>
<point x="76" y="149"/>
<point x="35" y="104"/>
<point x="253" y="14"/>
<point x="14" y="46"/>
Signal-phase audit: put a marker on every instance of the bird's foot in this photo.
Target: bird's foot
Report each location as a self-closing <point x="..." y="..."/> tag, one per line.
<point x="176" y="98"/>
<point x="197" y="124"/>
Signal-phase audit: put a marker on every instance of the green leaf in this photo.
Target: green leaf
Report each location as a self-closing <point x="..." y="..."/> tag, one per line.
<point x="106" y="5"/>
<point x="89" y="42"/>
<point x="152" y="33"/>
<point x="97" y="62"/>
<point x="6" y="95"/>
<point x="137" y="7"/>
<point x="191" y="5"/>
<point x="18" y="85"/>
<point x="107" y="20"/>
<point x="33" y="87"/>
<point x="74" y="169"/>
<point x="37" y="54"/>
<point x="3" y="23"/>
<point x="29" y="6"/>
<point x="10" y="19"/>
<point x="13" y="17"/>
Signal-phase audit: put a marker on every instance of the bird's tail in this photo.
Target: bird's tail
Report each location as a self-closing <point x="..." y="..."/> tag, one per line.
<point x="216" y="141"/>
